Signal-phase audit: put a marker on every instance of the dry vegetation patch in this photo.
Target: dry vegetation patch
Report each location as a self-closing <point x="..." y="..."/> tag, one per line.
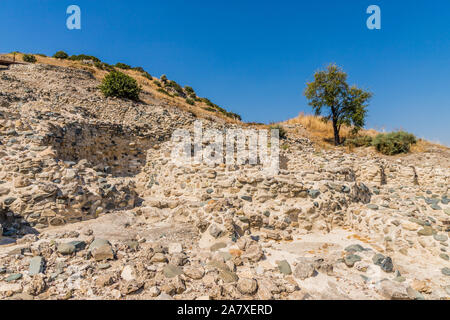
<point x="321" y="133"/>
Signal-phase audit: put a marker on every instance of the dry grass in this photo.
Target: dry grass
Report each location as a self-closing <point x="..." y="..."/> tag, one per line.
<point x="322" y="134"/>
<point x="324" y="130"/>
<point x="425" y="146"/>
<point x="147" y="86"/>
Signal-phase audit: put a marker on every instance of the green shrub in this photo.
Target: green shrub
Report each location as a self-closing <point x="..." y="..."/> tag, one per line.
<point x="216" y="108"/>
<point x="394" y="142"/>
<point x="189" y="91"/>
<point x="99" y="65"/>
<point x="190" y="101"/>
<point x="60" y="55"/>
<point x="209" y="109"/>
<point x="163" y="78"/>
<point x="359" y="141"/>
<point x="41" y="55"/>
<point x="175" y="86"/>
<point x="29" y="58"/>
<point x="208" y="102"/>
<point x="140" y="69"/>
<point x="163" y="91"/>
<point x="147" y="75"/>
<point x="82" y="57"/>
<point x="120" y="85"/>
<point x="234" y="116"/>
<point x="121" y="65"/>
<point x="104" y="66"/>
<point x="281" y="130"/>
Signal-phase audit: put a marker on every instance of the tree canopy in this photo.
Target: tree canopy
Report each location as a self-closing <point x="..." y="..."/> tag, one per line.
<point x="344" y="104"/>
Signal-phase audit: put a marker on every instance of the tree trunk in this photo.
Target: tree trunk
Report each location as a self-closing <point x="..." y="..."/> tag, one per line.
<point x="337" y="140"/>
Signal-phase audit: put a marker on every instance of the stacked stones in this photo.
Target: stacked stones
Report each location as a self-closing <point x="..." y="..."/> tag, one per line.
<point x="328" y="225"/>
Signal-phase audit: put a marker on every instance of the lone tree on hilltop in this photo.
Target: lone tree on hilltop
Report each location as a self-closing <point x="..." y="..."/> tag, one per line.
<point x="346" y="105"/>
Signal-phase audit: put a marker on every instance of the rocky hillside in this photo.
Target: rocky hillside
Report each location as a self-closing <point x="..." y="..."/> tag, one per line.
<point x="92" y="208"/>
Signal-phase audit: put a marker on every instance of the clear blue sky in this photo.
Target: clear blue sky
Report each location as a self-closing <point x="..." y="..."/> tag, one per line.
<point x="254" y="57"/>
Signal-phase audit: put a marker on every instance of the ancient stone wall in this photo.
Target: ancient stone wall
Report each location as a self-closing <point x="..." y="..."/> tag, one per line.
<point x="111" y="148"/>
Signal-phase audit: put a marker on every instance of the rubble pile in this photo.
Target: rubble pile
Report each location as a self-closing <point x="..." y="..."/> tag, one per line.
<point x="92" y="207"/>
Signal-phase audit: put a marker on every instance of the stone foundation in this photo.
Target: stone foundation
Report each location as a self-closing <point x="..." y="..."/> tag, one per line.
<point x="110" y="148"/>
